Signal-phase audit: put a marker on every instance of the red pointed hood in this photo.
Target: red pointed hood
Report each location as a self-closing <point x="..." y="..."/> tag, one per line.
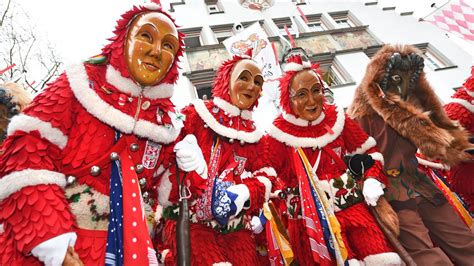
<point x="114" y="51"/>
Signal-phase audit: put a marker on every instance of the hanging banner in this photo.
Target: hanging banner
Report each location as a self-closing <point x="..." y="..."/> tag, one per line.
<point x="255" y="38"/>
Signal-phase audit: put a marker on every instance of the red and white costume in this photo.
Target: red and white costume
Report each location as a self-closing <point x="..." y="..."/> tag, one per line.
<point x="330" y="137"/>
<point x="240" y="162"/>
<point x="48" y="190"/>
<point x="461" y="108"/>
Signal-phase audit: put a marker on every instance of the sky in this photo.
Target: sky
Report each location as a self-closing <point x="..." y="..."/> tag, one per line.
<point x="79" y="29"/>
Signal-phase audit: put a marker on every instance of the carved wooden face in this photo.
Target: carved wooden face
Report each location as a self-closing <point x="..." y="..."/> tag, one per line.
<point x="306" y="95"/>
<point x="151" y="47"/>
<point x="246" y="83"/>
<point x="399" y="83"/>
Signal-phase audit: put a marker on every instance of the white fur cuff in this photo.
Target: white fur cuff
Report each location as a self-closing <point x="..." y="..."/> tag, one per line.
<point x="268" y="186"/>
<point x="15" y="181"/>
<point x="28" y="123"/>
<point x="377" y="156"/>
<point x="387" y="258"/>
<point x="269" y="171"/>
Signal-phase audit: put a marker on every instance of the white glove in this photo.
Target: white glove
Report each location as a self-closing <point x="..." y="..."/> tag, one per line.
<point x="372" y="191"/>
<point x="53" y="251"/>
<point x="256" y="224"/>
<point x="189" y="156"/>
<point x="243" y="194"/>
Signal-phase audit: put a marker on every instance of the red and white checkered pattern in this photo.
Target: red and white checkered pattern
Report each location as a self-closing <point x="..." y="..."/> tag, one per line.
<point x="456" y="17"/>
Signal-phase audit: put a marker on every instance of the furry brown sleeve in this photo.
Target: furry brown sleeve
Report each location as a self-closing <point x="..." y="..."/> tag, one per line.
<point x="415" y="125"/>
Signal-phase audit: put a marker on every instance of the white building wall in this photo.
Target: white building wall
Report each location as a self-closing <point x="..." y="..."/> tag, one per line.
<point x="386" y="26"/>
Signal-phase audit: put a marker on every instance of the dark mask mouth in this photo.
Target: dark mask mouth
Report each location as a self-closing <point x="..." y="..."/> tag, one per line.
<point x="412" y="62"/>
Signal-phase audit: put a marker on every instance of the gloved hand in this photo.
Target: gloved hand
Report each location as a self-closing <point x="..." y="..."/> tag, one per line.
<point x="372" y="191"/>
<point x="358" y="163"/>
<point x="189" y="156"/>
<point x="257" y="223"/>
<point x="53" y="251"/>
<point x="243" y="194"/>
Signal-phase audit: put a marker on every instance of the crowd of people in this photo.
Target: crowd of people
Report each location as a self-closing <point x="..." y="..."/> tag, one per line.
<point x="101" y="167"/>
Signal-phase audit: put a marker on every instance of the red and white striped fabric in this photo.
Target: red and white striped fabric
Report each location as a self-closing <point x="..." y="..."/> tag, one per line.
<point x="457" y="17"/>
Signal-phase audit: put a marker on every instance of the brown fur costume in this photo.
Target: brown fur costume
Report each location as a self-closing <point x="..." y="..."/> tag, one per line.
<point x="13" y="99"/>
<point x="420" y="118"/>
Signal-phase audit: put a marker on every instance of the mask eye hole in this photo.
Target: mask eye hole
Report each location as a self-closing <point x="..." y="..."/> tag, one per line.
<point x="396" y="79"/>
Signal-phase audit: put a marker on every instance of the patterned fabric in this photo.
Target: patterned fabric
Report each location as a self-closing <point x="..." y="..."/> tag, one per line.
<point x="132" y="246"/>
<point x="222" y="202"/>
<point x="457" y="18"/>
<point x="204" y="203"/>
<point x="114" y="251"/>
<point x="311" y="208"/>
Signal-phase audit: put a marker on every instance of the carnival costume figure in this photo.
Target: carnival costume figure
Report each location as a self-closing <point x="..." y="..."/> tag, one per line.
<point x="77" y="166"/>
<point x="227" y="181"/>
<point x="396" y="105"/>
<point x="461" y="108"/>
<point x="307" y="145"/>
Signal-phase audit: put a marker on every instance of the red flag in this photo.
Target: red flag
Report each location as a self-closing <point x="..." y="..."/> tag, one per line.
<point x="292" y="41"/>
<point x="7" y="68"/>
<point x="457" y="17"/>
<point x="302" y="14"/>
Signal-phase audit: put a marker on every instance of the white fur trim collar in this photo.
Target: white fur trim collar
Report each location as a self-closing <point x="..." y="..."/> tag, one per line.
<point x="28" y="123"/>
<point x="296" y="67"/>
<point x="152" y="6"/>
<point x="306" y="142"/>
<point x="470" y="93"/>
<point x="369" y="143"/>
<point x="208" y="118"/>
<point x="468" y="105"/>
<point x="106" y="113"/>
<point x="231" y="109"/>
<point x="126" y="85"/>
<point x="432" y="164"/>
<point x="15" y="181"/>
<point x="301" y="122"/>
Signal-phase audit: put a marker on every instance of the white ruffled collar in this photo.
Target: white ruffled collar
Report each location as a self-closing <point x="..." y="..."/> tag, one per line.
<point x="310" y="142"/>
<point x="231" y="133"/>
<point x="301" y="122"/>
<point x="126" y="85"/>
<point x="470" y="93"/>
<point x="231" y="109"/>
<point x="97" y="107"/>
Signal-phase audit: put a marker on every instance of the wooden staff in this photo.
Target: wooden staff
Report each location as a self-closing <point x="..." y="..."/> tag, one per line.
<point x="393" y="239"/>
<point x="183" y="246"/>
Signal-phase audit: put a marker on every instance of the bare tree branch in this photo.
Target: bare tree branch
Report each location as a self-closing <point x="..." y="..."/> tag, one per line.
<point x="22" y="44"/>
<point x="5" y="13"/>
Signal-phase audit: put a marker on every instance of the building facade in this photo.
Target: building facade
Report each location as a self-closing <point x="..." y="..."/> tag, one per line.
<point x="341" y="35"/>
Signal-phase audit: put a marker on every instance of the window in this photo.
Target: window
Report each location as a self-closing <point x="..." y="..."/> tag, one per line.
<point x="214" y="8"/>
<point x="193" y="37"/>
<point x="335" y="75"/>
<point x="343" y="23"/>
<point x="315" y="23"/>
<point x="434" y="59"/>
<point x="299" y="2"/>
<point x="222" y="32"/>
<point x="344" y="19"/>
<point x="204" y="92"/>
<point x="281" y="22"/>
